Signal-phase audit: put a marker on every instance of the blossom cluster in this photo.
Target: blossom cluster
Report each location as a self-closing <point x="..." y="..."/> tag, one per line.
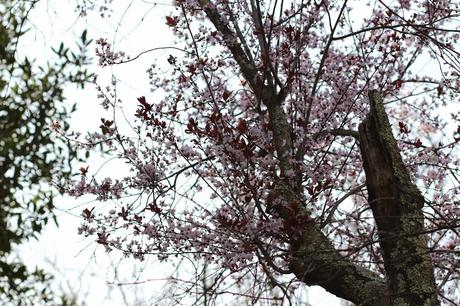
<point x="105" y="54"/>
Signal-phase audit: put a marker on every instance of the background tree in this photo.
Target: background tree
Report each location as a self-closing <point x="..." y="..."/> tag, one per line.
<point x="294" y="143"/>
<point x="32" y="99"/>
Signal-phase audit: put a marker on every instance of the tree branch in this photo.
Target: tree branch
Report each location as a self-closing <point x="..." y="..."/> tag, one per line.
<point x="248" y="69"/>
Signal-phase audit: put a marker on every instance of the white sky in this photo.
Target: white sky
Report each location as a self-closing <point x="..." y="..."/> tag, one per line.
<point x="82" y="267"/>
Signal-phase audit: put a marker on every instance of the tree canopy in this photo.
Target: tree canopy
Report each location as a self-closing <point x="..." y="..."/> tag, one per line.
<point x="293" y="143"/>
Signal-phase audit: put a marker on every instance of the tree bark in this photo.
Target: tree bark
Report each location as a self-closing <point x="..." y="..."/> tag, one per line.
<point x="396" y="205"/>
<point x="316" y="262"/>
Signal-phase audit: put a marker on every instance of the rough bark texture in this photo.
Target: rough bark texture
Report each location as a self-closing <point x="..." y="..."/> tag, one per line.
<point x="396" y="205"/>
<point x="316" y="262"/>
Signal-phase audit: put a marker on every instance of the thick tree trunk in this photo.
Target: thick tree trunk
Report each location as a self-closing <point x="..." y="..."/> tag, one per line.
<point x="396" y="205"/>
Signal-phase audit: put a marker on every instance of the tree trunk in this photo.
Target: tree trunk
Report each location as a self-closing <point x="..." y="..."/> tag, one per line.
<point x="396" y="205"/>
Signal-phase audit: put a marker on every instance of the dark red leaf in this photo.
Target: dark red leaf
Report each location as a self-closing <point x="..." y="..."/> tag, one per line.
<point x="403" y="127"/>
<point x="171" y="21"/>
<point x="171" y="59"/>
<point x="242" y="127"/>
<point x="87" y="213"/>
<point x="439" y="90"/>
<point x="226" y="95"/>
<point x="84" y="170"/>
<point x="123" y="214"/>
<point x="154" y="208"/>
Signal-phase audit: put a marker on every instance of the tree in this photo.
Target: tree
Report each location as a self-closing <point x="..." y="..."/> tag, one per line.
<point x="32" y="98"/>
<point x="294" y="144"/>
